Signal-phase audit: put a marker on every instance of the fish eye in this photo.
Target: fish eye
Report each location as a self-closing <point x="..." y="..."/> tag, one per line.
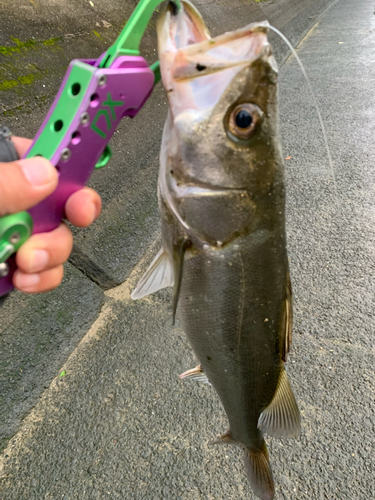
<point x="244" y="120"/>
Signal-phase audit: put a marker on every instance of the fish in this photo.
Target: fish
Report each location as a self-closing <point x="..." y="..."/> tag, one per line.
<point x="222" y="209"/>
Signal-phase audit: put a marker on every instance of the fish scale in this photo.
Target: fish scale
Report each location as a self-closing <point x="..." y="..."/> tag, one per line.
<point x="218" y="315"/>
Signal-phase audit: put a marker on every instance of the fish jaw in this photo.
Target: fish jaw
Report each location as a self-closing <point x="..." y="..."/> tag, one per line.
<point x="196" y="69"/>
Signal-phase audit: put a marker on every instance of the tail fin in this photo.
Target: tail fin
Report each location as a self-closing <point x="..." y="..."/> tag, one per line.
<point x="259" y="473"/>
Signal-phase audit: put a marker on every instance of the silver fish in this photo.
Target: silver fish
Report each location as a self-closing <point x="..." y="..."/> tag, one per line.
<point x="222" y="209"/>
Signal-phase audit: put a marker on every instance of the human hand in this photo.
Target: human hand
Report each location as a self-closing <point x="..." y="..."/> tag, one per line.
<point x="23" y="184"/>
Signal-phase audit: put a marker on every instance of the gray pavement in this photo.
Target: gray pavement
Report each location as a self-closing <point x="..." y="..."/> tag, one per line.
<point x="120" y="424"/>
<point x="31" y="352"/>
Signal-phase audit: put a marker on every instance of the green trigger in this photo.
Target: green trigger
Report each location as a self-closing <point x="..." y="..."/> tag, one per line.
<point x="104" y="159"/>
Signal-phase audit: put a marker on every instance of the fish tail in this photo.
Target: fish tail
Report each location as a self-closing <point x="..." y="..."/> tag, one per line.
<point x="259" y="472"/>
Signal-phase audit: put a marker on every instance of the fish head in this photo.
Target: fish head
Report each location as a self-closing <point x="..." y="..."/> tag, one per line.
<point x="223" y="99"/>
<point x="222" y="128"/>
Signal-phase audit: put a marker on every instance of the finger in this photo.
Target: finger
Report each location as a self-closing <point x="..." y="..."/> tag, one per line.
<point x="41" y="282"/>
<point x="25" y="183"/>
<point x="45" y="250"/>
<point x="83" y="207"/>
<point x="21" y="144"/>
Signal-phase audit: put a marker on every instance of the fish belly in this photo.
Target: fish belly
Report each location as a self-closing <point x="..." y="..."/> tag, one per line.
<point x="231" y="309"/>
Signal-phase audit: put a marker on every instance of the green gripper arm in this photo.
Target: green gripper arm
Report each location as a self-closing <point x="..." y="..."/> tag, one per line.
<point x="127" y="43"/>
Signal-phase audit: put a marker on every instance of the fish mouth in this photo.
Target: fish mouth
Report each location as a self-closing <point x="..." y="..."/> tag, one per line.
<point x="196" y="69"/>
<point x="180" y="28"/>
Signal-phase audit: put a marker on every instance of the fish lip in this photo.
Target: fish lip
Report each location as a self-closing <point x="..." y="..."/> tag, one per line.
<point x="169" y="17"/>
<point x="199" y="61"/>
<point x="173" y="7"/>
<point x="187" y="53"/>
<point x="165" y="21"/>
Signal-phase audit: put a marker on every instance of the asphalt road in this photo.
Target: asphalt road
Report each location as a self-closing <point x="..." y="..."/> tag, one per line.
<point x="120" y="424"/>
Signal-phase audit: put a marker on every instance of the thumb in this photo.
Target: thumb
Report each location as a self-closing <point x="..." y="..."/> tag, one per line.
<point x="24" y="183"/>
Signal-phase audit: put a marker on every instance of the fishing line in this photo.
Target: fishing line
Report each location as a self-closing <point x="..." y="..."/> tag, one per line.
<point x="290" y="46"/>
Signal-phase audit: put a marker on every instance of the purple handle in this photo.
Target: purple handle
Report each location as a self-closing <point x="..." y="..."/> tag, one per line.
<point x="129" y="80"/>
<point x="128" y="84"/>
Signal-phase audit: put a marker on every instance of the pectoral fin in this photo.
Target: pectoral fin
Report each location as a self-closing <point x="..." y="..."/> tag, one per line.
<point x="226" y="438"/>
<point x="281" y="418"/>
<point x="159" y="275"/>
<point x="195" y="374"/>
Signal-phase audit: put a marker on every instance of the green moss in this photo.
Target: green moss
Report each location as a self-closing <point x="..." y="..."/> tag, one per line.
<point x="7" y="51"/>
<point x="51" y="41"/>
<point x="27" y="45"/>
<point x="27" y="79"/>
<point x="8" y="84"/>
<point x="21" y="80"/>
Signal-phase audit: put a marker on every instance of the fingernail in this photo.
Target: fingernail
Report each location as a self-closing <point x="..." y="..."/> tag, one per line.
<point x="26" y="281"/>
<point x="38" y="171"/>
<point x="38" y="260"/>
